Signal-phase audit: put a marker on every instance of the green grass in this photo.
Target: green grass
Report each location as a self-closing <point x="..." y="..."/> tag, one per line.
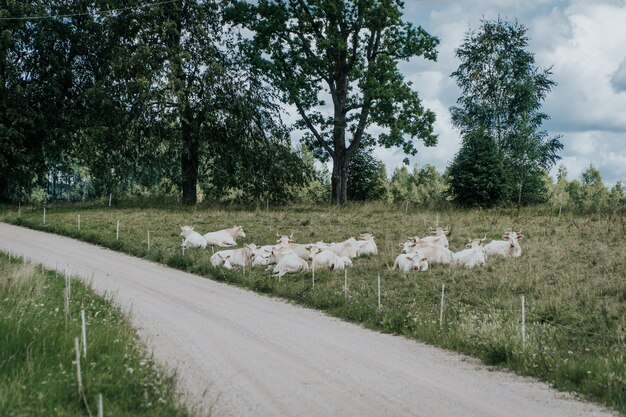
<point x="572" y="274"/>
<point x="37" y="355"/>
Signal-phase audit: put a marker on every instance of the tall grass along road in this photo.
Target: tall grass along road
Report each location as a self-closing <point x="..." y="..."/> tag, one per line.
<point x="237" y="353"/>
<point x="38" y="359"/>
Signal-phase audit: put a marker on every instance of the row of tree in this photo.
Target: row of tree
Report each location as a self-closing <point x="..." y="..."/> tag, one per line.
<point x="428" y="188"/>
<point x="102" y="96"/>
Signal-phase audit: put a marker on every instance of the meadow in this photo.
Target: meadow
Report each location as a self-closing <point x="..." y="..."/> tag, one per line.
<point x="38" y="360"/>
<point x="572" y="274"/>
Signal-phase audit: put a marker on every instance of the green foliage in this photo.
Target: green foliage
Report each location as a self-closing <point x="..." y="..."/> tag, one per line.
<point x="617" y="198"/>
<point x="98" y="102"/>
<point x="559" y="196"/>
<point x="502" y="92"/>
<point x="424" y="187"/>
<point x="349" y="51"/>
<point x="317" y="190"/>
<point x="367" y="177"/>
<point x="254" y="171"/>
<point x="37" y="374"/>
<point x="589" y="195"/>
<point x="477" y="174"/>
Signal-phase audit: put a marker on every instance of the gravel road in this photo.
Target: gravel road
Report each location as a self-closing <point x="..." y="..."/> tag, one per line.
<point x="240" y="354"/>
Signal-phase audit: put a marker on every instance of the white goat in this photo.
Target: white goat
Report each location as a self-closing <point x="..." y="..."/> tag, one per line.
<point x="262" y="255"/>
<point x="300" y="249"/>
<point x="236" y="257"/>
<point x="412" y="244"/>
<point x="287" y="262"/>
<point x="509" y="247"/>
<point x="433" y="253"/>
<point x="367" y="246"/>
<point x="219" y="259"/>
<point x="324" y="258"/>
<point x="348" y="247"/>
<point x="224" y="237"/>
<point x="407" y="262"/>
<point x="473" y="256"/>
<point x="439" y="237"/>
<point x="192" y="239"/>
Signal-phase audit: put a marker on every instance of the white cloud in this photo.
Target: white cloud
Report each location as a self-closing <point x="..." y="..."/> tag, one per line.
<point x="618" y="79"/>
<point x="583" y="64"/>
<point x="597" y="148"/>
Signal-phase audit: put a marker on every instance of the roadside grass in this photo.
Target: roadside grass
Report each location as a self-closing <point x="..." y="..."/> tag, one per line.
<point x="37" y="354"/>
<point x="572" y="274"/>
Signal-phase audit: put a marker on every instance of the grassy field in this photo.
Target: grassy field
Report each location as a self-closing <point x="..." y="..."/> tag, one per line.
<point x="37" y="355"/>
<point x="572" y="274"/>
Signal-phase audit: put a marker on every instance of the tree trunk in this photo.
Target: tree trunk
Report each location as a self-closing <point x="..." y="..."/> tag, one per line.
<point x="4" y="188"/>
<point x="339" y="179"/>
<point x="190" y="154"/>
<point x="190" y="161"/>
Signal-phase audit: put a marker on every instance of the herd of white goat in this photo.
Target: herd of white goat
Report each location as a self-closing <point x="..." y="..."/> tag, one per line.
<point x="286" y="256"/>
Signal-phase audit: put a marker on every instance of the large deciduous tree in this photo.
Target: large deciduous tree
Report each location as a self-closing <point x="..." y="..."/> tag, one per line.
<point x="346" y="52"/>
<point x="502" y="92"/>
<point x="46" y="65"/>
<point x="64" y="96"/>
<point x="209" y="100"/>
<point x="135" y="93"/>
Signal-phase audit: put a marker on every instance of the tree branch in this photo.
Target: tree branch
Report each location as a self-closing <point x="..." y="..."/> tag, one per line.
<point x="320" y="140"/>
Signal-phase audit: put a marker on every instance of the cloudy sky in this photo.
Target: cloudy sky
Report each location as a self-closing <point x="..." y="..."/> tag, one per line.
<point x="584" y="41"/>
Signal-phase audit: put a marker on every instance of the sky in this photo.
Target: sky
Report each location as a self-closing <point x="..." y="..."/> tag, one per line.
<point x="584" y="41"/>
